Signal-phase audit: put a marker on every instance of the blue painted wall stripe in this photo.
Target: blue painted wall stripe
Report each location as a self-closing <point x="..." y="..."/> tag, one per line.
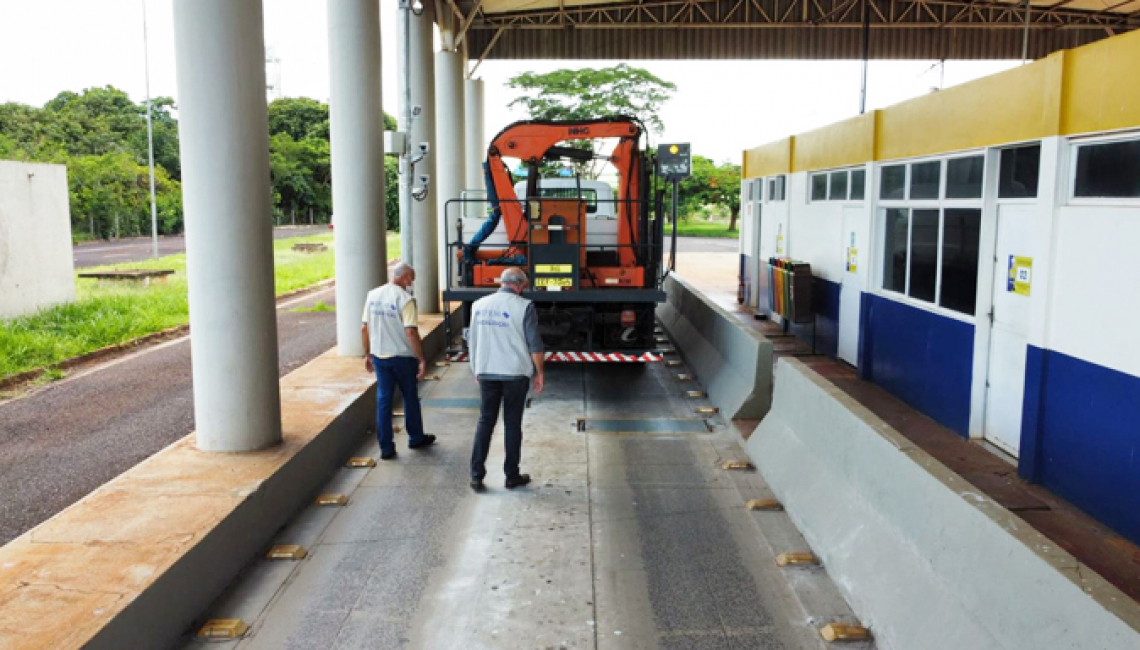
<point x="924" y="359"/>
<point x="1080" y="436"/>
<point x="825" y="302"/>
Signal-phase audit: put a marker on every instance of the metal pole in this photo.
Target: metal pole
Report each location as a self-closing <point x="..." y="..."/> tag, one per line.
<point x="150" y="143"/>
<point x="406" y="253"/>
<point x="866" y="56"/>
<point x="1025" y="38"/>
<point x="673" y="245"/>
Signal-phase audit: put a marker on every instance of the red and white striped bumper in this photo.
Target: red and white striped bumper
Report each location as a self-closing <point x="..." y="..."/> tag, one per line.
<point x="582" y="357"/>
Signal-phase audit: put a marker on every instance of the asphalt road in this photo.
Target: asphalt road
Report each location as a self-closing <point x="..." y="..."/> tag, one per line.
<point x="59" y="444"/>
<point x="139" y="248"/>
<point x="706" y="245"/>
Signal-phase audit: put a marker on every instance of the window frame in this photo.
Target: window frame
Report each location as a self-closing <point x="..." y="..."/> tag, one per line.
<point x="1074" y="146"/>
<point x="941" y="204"/>
<point x="826" y="174"/>
<point x="1023" y="200"/>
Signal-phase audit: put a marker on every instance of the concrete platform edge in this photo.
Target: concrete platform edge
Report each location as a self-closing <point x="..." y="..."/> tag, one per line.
<point x="164" y="579"/>
<point x="732" y="361"/>
<point x="925" y="559"/>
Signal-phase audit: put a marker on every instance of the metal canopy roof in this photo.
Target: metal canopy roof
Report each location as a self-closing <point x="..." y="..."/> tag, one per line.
<point x="774" y="29"/>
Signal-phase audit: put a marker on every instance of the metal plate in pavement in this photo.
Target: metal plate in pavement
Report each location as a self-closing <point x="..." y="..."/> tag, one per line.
<point x="643" y="425"/>
<point x="450" y="403"/>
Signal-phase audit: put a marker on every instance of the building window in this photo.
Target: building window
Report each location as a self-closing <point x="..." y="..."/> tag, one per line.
<point x="1020" y="169"/>
<point x="776" y="188"/>
<point x="895" y="248"/>
<point x="931" y="230"/>
<point x="858" y="184"/>
<point x="964" y="177"/>
<point x="1108" y="170"/>
<point x="893" y="184"/>
<point x="925" y="180"/>
<point x="837" y="186"/>
<point x="961" y="233"/>
<point x="923" y="265"/>
<point x="819" y="187"/>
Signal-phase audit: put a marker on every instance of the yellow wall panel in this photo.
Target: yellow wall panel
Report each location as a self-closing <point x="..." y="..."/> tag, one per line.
<point x="1019" y="104"/>
<point x="772" y="158"/>
<point x="1102" y="86"/>
<point x="850" y="142"/>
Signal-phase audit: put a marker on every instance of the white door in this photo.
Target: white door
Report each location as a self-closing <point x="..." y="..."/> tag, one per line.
<point x="754" y="254"/>
<point x="855" y="266"/>
<point x="1009" y="333"/>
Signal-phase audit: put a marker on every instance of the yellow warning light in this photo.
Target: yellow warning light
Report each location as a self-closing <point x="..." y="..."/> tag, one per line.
<point x="674" y="149"/>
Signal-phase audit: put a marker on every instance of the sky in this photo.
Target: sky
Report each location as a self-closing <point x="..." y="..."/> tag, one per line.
<point x="721" y="107"/>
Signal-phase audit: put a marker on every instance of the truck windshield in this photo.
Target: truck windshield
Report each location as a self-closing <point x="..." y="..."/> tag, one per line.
<point x="590" y="196"/>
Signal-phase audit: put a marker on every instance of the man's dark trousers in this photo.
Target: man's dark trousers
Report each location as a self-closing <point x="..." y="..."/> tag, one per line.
<point x="390" y="373"/>
<point x="511" y="393"/>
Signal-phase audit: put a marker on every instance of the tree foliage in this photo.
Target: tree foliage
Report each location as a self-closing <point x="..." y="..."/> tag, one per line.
<point x="711" y="188"/>
<point x="588" y="94"/>
<point x="101" y="135"/>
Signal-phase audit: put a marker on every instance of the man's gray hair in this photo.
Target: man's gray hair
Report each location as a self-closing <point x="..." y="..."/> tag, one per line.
<point x="513" y="276"/>
<point x="401" y="269"/>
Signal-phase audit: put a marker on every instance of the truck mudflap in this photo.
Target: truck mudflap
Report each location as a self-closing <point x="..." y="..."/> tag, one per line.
<point x="581" y="357"/>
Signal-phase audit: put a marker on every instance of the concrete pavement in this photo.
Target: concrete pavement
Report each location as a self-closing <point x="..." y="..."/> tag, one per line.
<point x="64" y="441"/>
<point x="99" y="253"/>
<point x="623" y="541"/>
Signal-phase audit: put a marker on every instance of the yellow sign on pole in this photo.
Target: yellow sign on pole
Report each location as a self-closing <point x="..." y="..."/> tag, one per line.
<point x="1020" y="275"/>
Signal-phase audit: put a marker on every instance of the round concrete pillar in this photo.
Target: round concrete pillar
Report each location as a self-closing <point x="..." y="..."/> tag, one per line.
<point x="356" y="123"/>
<point x="476" y="146"/>
<point x="425" y="242"/>
<point x="224" y="138"/>
<point x="450" y="163"/>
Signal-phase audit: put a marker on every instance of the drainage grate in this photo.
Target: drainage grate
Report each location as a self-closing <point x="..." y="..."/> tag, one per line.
<point x="643" y="426"/>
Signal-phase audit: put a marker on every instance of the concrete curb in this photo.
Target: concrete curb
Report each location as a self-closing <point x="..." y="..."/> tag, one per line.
<point x="925" y="559"/>
<point x="732" y="361"/>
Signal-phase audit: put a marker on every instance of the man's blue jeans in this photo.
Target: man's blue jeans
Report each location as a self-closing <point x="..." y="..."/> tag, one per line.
<point x="390" y="373"/>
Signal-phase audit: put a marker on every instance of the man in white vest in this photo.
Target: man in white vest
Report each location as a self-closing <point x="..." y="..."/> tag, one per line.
<point x="506" y="356"/>
<point x="395" y="352"/>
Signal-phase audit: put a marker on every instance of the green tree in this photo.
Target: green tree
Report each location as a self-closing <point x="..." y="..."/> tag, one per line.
<point x="711" y="185"/>
<point x="589" y="93"/>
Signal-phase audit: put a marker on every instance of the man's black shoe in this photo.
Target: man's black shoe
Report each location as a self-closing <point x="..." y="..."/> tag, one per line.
<point x="388" y="456"/>
<point x="427" y="441"/>
<point x="477" y="484"/>
<point x="518" y="481"/>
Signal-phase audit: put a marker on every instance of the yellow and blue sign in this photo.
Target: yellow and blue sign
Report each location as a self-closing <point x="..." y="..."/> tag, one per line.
<point x="1020" y="275"/>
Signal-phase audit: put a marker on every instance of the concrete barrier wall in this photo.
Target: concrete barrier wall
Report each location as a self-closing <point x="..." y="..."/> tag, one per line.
<point x="925" y="560"/>
<point x="36" y="268"/>
<point x="733" y="361"/>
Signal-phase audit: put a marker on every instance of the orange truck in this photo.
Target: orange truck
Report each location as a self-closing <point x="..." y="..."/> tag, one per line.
<point x="595" y="286"/>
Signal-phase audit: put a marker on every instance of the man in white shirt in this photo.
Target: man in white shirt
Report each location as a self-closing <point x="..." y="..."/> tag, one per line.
<point x="506" y="355"/>
<point x="395" y="352"/>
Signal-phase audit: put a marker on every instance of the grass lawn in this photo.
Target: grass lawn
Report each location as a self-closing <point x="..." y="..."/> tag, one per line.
<point x="109" y="312"/>
<point x="701" y="228"/>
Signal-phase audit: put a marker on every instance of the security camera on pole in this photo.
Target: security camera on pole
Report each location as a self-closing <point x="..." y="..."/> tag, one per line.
<point x="400" y="143"/>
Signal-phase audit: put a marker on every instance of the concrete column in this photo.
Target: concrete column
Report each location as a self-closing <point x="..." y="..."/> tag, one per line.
<point x="451" y="161"/>
<point x="425" y="241"/>
<point x="224" y="138"/>
<point x="476" y="149"/>
<point x="356" y="123"/>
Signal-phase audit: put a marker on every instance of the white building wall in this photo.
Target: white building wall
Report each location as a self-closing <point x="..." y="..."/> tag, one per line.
<point x="36" y="265"/>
